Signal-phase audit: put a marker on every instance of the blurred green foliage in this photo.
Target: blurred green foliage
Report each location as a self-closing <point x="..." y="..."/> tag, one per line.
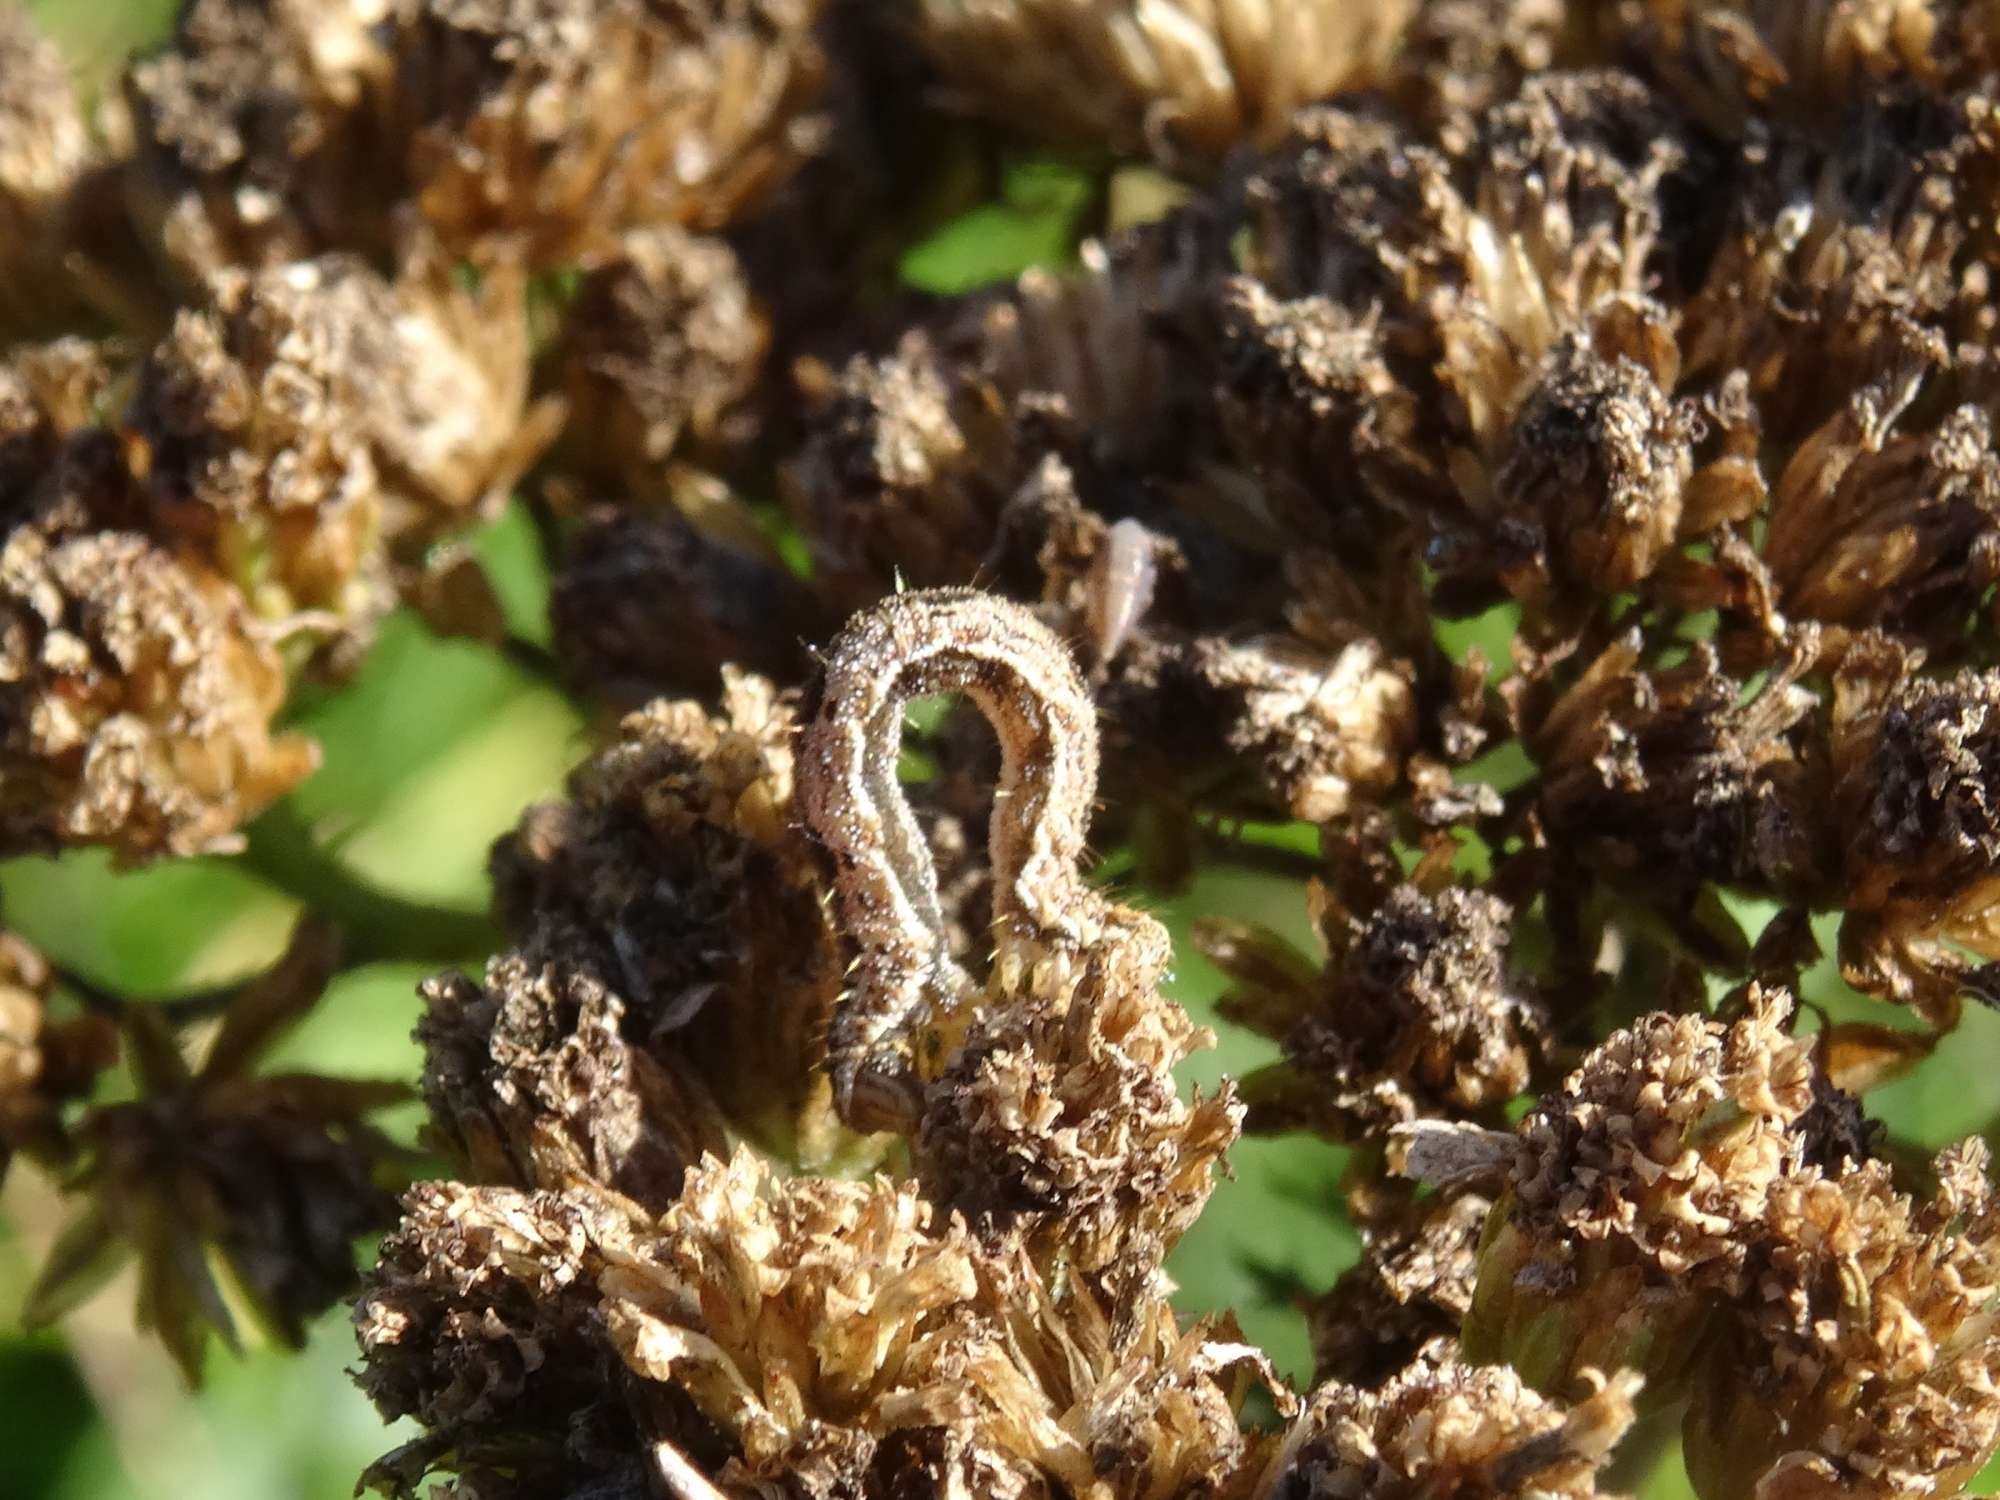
<point x="429" y="755"/>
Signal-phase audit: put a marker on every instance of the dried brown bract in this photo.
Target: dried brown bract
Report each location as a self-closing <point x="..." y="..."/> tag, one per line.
<point x="1446" y="1428"/>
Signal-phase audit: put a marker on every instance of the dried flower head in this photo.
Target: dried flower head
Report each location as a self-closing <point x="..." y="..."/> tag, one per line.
<point x="136" y="699"/>
<point x="566" y="122"/>
<point x="1414" y="1015"/>
<point x="254" y="135"/>
<point x="1445" y="1428"/>
<point x="532" y="1079"/>
<point x="1866" y="1346"/>
<point x="46" y="152"/>
<point x="1412" y="1285"/>
<point x="1632" y="1195"/>
<point x="1187" y="80"/>
<point x="659" y="350"/>
<point x="675" y="877"/>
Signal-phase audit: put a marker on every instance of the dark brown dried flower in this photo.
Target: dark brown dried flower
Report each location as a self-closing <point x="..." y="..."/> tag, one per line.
<point x="276" y="1174"/>
<point x="649" y="604"/>
<point x="676" y="874"/>
<point x="1414" y="1015"/>
<point x="1445" y="1428"/>
<point x="1915" y="762"/>
<point x="1866" y="1347"/>
<point x="480" y="1320"/>
<point x="255" y="142"/>
<point x="136" y="700"/>
<point x="1413" y="1284"/>
<point x="658" y="352"/>
<point x="1187" y="80"/>
<point x="531" y="1079"/>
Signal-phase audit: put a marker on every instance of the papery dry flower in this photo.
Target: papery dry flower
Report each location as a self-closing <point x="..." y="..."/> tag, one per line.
<point x="275" y="1174"/>
<point x="1632" y="1196"/>
<point x="1914" y="759"/>
<point x="255" y="142"/>
<point x="566" y="122"/>
<point x="1446" y="1428"/>
<point x="845" y="1342"/>
<point x="318" y="421"/>
<point x="1187" y="79"/>
<point x="1866" y="1349"/>
<point x="136" y="700"/>
<point x="480" y="1320"/>
<point x="658" y="351"/>
<point x="676" y="874"/>
<point x="1415" y="1014"/>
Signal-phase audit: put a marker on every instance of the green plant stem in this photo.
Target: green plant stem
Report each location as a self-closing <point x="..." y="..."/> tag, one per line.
<point x="374" y="925"/>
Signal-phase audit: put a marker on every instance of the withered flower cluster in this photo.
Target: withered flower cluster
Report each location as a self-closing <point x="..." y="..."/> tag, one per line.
<point x="1534" y="487"/>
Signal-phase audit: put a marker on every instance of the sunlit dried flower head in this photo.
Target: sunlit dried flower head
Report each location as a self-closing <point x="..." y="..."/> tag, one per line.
<point x="1060" y="1117"/>
<point x="643" y="605"/>
<point x="1322" y="732"/>
<point x="315" y="416"/>
<point x="566" y="122"/>
<point x="49" y="394"/>
<point x="45" y="1063"/>
<point x="45" y="151"/>
<point x="1414" y="1015"/>
<point x="1632" y="1195"/>
<point x="1187" y="80"/>
<point x="1413" y="1284"/>
<point x="136" y="699"/>
<point x="1915" y="759"/>
<point x="1445" y="1428"/>
<point x="1676" y="774"/>
<point x="915" y="459"/>
<point x="675" y="868"/>
<point x="658" y="350"/>
<point x="531" y="1078"/>
<point x="1739" y="63"/>
<point x="843" y="1339"/>
<point x="1866" y="1350"/>
<point x="479" y="1319"/>
<point x="273" y="1175"/>
<point x="255" y="135"/>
